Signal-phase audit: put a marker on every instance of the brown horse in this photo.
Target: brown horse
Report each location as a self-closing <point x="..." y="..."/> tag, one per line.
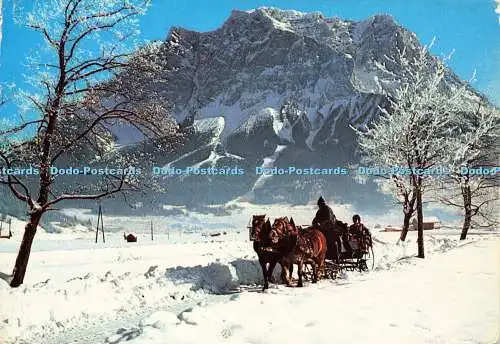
<point x="281" y="228"/>
<point x="267" y="251"/>
<point x="302" y="247"/>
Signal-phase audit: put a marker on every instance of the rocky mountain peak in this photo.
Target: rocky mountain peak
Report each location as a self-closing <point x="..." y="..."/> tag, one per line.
<point x="275" y="87"/>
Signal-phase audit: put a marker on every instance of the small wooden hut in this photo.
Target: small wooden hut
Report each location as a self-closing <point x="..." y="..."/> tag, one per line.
<point x="429" y="223"/>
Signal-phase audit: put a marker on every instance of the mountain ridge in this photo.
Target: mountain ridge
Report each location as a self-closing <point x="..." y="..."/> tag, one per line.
<point x="270" y="87"/>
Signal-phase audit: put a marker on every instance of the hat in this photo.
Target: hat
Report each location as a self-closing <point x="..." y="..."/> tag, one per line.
<point x="321" y="200"/>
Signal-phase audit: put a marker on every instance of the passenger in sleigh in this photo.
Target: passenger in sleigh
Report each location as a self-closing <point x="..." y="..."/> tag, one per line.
<point x="357" y="238"/>
<point x="359" y="234"/>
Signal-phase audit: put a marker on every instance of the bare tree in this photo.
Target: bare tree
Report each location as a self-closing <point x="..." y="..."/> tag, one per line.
<point x="392" y="180"/>
<point x="413" y="131"/>
<point x="82" y="92"/>
<point x="406" y="196"/>
<point x="473" y="184"/>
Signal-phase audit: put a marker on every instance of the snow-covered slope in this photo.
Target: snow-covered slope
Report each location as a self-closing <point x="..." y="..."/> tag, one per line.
<point x="70" y="291"/>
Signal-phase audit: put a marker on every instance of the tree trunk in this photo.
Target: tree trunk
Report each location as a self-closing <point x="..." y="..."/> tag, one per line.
<point x="23" y="254"/>
<point x="408" y="210"/>
<point x="406" y="226"/>
<point x="420" y="220"/>
<point x="467" y="196"/>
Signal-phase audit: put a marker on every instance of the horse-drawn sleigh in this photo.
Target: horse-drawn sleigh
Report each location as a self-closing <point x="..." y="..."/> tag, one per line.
<point x="325" y="250"/>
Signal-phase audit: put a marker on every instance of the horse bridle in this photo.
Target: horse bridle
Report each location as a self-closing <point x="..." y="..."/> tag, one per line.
<point x="259" y="227"/>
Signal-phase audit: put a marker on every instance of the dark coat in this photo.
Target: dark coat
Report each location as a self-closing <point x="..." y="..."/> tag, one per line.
<point x="359" y="230"/>
<point x="323" y="214"/>
<point x="362" y="234"/>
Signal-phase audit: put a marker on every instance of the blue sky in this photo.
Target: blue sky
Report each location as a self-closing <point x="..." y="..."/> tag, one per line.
<point x="470" y="27"/>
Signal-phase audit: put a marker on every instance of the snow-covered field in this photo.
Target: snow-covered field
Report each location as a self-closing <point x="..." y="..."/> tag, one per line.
<point x="188" y="288"/>
<point x="449" y="298"/>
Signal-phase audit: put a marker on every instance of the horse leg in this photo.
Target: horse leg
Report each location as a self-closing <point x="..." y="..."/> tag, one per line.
<point x="264" y="273"/>
<point x="284" y="274"/>
<point x="300" y="273"/>
<point x="321" y="270"/>
<point x="272" y="264"/>
<point x="315" y="272"/>
<point x="319" y="267"/>
<point x="322" y="266"/>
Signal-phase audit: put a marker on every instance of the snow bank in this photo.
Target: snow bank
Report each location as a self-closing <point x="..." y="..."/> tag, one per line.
<point x="449" y="298"/>
<point x="221" y="277"/>
<point x="46" y="307"/>
<point x="215" y="278"/>
<point x="77" y="287"/>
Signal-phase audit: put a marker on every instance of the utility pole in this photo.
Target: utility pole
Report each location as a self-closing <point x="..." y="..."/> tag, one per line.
<point x="97" y="227"/>
<point x="100" y="221"/>
<point x="151" y="230"/>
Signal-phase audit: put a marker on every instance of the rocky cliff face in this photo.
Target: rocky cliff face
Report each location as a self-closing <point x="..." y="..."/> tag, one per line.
<point x="267" y="58"/>
<point x="272" y="88"/>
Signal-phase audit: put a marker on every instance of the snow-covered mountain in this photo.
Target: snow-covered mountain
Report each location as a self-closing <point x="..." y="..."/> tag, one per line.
<point x="271" y="88"/>
<point x="274" y="88"/>
<point x="268" y="58"/>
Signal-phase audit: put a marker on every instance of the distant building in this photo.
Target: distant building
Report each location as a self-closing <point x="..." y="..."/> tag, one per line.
<point x="429" y="223"/>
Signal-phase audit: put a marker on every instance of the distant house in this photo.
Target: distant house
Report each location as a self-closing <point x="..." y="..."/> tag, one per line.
<point x="6" y="236"/>
<point x="214" y="234"/>
<point x="392" y="229"/>
<point x="429" y="223"/>
<point x="9" y="222"/>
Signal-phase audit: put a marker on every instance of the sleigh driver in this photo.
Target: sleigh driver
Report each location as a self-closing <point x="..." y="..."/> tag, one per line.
<point x="324" y="214"/>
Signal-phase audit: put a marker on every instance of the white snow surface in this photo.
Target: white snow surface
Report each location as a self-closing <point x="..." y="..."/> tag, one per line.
<point x="452" y="296"/>
<point x="448" y="298"/>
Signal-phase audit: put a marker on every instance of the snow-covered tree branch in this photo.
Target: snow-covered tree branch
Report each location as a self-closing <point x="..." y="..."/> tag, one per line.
<point x="413" y="132"/>
<point x="473" y="184"/>
<point x="80" y="96"/>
